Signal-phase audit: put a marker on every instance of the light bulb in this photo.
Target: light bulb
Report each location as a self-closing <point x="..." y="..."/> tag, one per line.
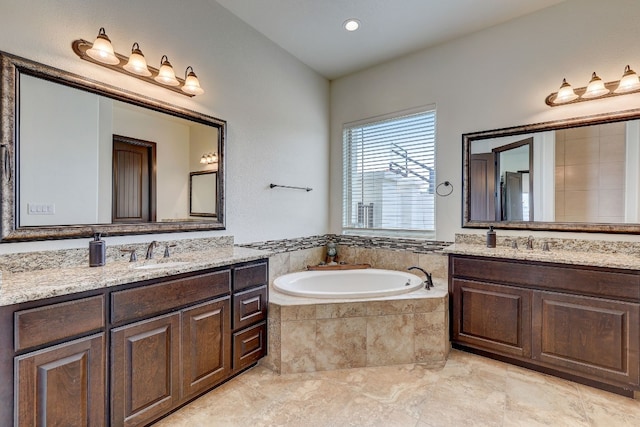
<point x="102" y="51"/>
<point x="565" y="93"/>
<point x="629" y="81"/>
<point x="595" y="88"/>
<point x="137" y="64"/>
<point x="191" y="83"/>
<point x="166" y="75"/>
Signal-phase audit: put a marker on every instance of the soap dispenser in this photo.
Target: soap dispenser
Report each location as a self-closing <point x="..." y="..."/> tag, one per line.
<point x="97" y="251"/>
<point x="491" y="238"/>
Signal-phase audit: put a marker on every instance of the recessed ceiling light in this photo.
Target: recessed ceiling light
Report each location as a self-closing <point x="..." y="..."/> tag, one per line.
<point x="351" y="24"/>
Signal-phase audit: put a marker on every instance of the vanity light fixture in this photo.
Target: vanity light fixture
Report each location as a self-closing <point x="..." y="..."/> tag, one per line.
<point x="101" y="53"/>
<point x="209" y="159"/>
<point x="137" y="64"/>
<point x="629" y="83"/>
<point x="191" y="82"/>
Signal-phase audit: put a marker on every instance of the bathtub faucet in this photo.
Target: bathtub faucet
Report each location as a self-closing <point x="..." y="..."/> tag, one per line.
<point x="428" y="283"/>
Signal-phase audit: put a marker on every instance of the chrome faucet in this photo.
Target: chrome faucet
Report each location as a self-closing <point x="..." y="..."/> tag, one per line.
<point x="530" y="242"/>
<point x="150" y="250"/>
<point x="428" y="283"/>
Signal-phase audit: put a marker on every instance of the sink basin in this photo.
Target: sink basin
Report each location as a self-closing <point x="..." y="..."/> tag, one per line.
<point x="159" y="265"/>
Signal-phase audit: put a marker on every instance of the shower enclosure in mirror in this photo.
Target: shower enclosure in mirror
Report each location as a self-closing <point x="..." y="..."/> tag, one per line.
<point x="80" y="156"/>
<point x="575" y="175"/>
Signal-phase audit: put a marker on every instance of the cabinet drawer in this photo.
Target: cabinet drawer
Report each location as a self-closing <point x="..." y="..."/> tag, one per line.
<point x="42" y="325"/>
<point x="249" y="307"/>
<point x="148" y="300"/>
<point x="584" y="281"/>
<point x="249" y="345"/>
<point x="250" y="275"/>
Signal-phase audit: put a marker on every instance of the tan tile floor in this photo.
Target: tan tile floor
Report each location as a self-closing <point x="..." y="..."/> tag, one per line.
<point x="469" y="391"/>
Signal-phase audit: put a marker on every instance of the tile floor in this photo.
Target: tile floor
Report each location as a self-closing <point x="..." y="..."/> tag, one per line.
<point x="469" y="391"/>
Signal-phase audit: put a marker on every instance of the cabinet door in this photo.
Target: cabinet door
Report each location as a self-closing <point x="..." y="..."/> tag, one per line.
<point x="63" y="385"/>
<point x="145" y="377"/>
<point x="587" y="335"/>
<point x="206" y="346"/>
<point x="492" y="317"/>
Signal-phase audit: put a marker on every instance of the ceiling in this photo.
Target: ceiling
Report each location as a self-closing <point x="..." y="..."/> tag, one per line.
<point x="312" y="30"/>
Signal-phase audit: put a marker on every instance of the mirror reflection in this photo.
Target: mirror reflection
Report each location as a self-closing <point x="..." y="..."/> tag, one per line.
<point x="202" y="202"/>
<point x="90" y="159"/>
<point x="580" y="175"/>
<point x="80" y="156"/>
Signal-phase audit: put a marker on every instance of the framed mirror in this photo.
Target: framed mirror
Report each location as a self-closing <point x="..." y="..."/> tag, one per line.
<point x="202" y="202"/>
<point x="579" y="174"/>
<point x="80" y="156"/>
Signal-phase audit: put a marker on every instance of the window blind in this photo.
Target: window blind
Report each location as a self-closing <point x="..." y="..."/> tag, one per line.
<point x="389" y="174"/>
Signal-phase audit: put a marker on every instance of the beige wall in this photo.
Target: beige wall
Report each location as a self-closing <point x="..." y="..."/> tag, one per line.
<point x="493" y="79"/>
<point x="590" y="171"/>
<point x="276" y="107"/>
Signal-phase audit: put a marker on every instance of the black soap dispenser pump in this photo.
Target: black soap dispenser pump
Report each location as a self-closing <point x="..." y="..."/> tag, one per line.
<point x="491" y="238"/>
<point x="97" y="251"/>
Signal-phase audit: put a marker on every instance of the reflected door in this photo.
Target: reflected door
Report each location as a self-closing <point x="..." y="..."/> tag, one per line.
<point x="483" y="187"/>
<point x="133" y="199"/>
<point x="513" y="196"/>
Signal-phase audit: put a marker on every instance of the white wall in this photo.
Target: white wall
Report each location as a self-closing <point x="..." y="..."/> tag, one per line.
<point x="277" y="109"/>
<point x="495" y="78"/>
<point x="51" y="145"/>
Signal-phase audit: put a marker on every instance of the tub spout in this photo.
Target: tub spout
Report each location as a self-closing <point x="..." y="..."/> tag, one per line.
<point x="428" y="283"/>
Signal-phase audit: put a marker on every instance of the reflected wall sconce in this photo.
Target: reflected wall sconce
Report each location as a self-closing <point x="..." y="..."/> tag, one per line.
<point x="209" y="159"/>
<point x="596" y="89"/>
<point x="101" y="52"/>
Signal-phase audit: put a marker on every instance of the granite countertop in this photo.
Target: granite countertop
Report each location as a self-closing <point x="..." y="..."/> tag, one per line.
<point x="596" y="259"/>
<point x="34" y="285"/>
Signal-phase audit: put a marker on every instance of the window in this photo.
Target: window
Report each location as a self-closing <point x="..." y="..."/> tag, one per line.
<point x="389" y="175"/>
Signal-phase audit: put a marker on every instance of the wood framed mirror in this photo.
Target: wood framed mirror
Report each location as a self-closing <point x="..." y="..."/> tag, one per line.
<point x="57" y="158"/>
<point x="583" y="175"/>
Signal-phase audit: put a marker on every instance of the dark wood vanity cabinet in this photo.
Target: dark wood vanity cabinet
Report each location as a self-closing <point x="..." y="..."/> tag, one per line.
<point x="126" y="356"/>
<point x="250" y="297"/>
<point x="582" y="323"/>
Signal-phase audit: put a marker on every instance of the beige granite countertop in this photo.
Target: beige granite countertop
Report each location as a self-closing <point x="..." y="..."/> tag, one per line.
<point x="34" y="285"/>
<point x="590" y="258"/>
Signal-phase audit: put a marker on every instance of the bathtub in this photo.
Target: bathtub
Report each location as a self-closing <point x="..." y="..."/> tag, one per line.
<point x="363" y="283"/>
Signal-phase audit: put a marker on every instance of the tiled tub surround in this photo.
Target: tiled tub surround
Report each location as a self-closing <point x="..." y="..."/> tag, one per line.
<point x="392" y="254"/>
<point x="307" y="334"/>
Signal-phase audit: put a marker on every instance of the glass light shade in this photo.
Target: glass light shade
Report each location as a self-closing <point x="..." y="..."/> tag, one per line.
<point x="166" y="75"/>
<point x="191" y="83"/>
<point x="137" y="64"/>
<point x="595" y="88"/>
<point x="204" y="159"/>
<point x="102" y="51"/>
<point x="629" y="81"/>
<point x="565" y="93"/>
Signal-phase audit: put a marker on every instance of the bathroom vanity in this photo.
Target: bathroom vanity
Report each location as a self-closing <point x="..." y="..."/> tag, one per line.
<point x="125" y="354"/>
<point x="559" y="315"/>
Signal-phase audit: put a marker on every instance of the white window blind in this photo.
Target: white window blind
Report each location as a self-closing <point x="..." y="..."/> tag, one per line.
<point x="389" y="175"/>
